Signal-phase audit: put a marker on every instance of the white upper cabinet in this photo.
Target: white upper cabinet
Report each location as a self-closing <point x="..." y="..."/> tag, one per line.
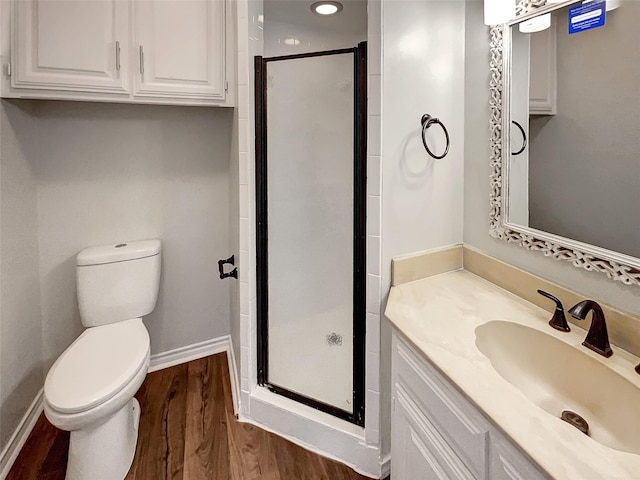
<point x="139" y="51"/>
<point x="181" y="47"/>
<point x="543" y="70"/>
<point x="71" y="45"/>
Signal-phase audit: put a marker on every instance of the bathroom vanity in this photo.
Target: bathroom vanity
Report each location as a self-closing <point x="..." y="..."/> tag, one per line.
<point x="456" y="416"/>
<point x="437" y="433"/>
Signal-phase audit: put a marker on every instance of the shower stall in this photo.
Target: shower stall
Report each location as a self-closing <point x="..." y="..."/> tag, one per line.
<point x="311" y="228"/>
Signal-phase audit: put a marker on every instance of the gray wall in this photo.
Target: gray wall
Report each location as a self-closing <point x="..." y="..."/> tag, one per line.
<point x="584" y="173"/>
<point x="21" y="374"/>
<point x="109" y="172"/>
<point x="75" y="174"/>
<point x="476" y="198"/>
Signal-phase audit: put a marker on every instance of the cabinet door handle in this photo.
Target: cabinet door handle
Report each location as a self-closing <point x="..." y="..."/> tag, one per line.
<point x="141" y="60"/>
<point x="118" y="56"/>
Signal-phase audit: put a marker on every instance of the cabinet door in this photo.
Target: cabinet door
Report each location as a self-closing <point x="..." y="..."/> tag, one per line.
<point x="543" y="70"/>
<point x="71" y="45"/>
<point x="457" y="422"/>
<point x="419" y="452"/>
<point x="181" y="46"/>
<point x="509" y="464"/>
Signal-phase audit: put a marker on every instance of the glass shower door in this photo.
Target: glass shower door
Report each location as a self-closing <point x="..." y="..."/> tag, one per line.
<point x="309" y="300"/>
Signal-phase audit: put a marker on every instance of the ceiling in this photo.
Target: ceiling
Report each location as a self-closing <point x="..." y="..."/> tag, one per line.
<point x="352" y="18"/>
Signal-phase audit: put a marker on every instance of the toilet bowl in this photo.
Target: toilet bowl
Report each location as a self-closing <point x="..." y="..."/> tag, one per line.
<point x="89" y="392"/>
<point x="90" y="389"/>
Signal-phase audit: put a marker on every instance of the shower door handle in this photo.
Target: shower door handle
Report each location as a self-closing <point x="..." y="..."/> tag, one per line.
<point x="233" y="273"/>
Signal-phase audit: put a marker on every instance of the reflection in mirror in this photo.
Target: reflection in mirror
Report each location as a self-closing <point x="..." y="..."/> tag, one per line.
<point x="577" y="98"/>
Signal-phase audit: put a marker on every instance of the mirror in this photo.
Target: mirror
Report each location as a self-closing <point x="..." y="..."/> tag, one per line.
<point x="566" y="158"/>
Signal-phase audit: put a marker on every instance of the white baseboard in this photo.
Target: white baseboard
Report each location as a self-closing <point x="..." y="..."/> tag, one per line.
<point x="171" y="358"/>
<point x="385" y="466"/>
<point x="180" y="355"/>
<point x="19" y="437"/>
<point x="233" y="374"/>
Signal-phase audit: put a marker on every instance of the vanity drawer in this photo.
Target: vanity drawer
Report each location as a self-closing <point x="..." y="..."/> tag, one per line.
<point x="458" y="421"/>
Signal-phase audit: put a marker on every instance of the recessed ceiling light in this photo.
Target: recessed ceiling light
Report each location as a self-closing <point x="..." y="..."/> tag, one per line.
<point x="326" y="7"/>
<point x="291" y="41"/>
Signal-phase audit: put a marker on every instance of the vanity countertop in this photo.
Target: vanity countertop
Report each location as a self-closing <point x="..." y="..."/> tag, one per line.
<point x="439" y="316"/>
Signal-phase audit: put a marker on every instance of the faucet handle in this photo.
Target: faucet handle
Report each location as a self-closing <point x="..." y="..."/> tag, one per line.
<point x="558" y="321"/>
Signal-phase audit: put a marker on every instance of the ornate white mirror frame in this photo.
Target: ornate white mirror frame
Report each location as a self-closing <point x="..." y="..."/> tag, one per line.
<point x="616" y="266"/>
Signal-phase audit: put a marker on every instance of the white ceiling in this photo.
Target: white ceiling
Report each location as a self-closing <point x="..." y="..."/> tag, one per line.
<point x="352" y="18"/>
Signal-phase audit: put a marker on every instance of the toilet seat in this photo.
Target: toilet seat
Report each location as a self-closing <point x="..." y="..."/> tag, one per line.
<point x="97" y="366"/>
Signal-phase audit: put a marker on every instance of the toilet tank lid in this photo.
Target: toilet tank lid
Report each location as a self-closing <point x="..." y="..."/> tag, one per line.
<point x="118" y="252"/>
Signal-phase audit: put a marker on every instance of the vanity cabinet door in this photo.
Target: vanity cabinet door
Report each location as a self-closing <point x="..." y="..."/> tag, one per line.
<point x="71" y="45"/>
<point x="419" y="451"/>
<point x="180" y="47"/>
<point x="458" y="424"/>
<point x="507" y="463"/>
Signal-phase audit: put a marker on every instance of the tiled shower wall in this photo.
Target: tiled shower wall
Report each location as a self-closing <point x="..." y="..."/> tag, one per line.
<point x="250" y="44"/>
<point x="374" y="225"/>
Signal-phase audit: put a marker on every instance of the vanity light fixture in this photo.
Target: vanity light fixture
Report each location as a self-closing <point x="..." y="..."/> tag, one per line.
<point x="536" y="24"/>
<point x="613" y="4"/>
<point x="326" y="8"/>
<point x="610" y="4"/>
<point x="498" y="11"/>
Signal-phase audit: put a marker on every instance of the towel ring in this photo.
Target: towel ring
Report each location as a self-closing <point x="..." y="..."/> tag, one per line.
<point x="524" y="138"/>
<point x="426" y="121"/>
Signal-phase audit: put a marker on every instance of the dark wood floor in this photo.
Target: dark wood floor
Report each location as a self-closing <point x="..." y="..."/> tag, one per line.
<point x="188" y="432"/>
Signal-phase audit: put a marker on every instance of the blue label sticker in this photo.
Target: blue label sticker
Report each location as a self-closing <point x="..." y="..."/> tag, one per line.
<point x="587" y="16"/>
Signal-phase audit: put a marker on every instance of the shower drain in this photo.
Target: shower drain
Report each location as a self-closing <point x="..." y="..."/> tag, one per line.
<point x="334" y="339"/>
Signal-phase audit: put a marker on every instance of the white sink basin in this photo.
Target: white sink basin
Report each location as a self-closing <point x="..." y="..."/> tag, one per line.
<point x="557" y="377"/>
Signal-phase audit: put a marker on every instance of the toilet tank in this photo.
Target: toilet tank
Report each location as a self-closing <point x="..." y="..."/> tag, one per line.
<point x="117" y="282"/>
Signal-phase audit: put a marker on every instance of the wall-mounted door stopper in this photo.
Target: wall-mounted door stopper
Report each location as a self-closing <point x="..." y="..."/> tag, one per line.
<point x="233" y="273"/>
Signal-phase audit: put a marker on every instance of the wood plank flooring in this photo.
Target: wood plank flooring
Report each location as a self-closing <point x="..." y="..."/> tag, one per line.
<point x="188" y="432"/>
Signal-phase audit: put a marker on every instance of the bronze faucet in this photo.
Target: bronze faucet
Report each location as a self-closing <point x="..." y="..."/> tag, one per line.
<point x="597" y="337"/>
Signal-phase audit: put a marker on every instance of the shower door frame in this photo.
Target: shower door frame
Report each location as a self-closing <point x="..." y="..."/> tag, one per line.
<point x="359" y="232"/>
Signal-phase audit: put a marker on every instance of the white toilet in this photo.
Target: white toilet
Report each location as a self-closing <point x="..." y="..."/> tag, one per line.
<point x="89" y="390"/>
